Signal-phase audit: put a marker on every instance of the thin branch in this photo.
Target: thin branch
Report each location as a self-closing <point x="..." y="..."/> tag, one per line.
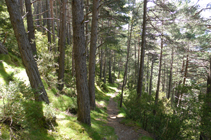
<point x="34" y="1"/>
<point x="100" y="45"/>
<point x="46" y="18"/>
<point x="40" y="13"/>
<point x="40" y="26"/>
<point x="24" y="15"/>
<point x="201" y="11"/>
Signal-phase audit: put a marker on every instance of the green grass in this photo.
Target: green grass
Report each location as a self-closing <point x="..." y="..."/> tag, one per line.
<point x="145" y="138"/>
<point x="11" y="68"/>
<point x="66" y="126"/>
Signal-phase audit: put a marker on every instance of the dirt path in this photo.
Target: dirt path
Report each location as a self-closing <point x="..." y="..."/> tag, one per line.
<point x="123" y="132"/>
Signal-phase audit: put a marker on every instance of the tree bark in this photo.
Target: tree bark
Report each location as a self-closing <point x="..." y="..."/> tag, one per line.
<point x="68" y="34"/>
<point x="135" y="65"/>
<point x="26" y="52"/>
<point x="21" y="7"/>
<point x="147" y="77"/>
<point x="38" y="9"/>
<point x="150" y="84"/>
<point x="184" y="79"/>
<point x="57" y="15"/>
<point x="171" y="69"/>
<point x="48" y="22"/>
<point x="101" y="62"/>
<point x="73" y="63"/>
<point x="130" y="30"/>
<point x="43" y="10"/>
<point x="52" y="20"/>
<point x="30" y="27"/>
<point x="61" y="44"/>
<point x="83" y="100"/>
<point x="159" y="73"/>
<point x="104" y="68"/>
<point x="92" y="58"/>
<point x="87" y="29"/>
<point x="143" y="43"/>
<point x="119" y="67"/>
<point x="114" y="63"/>
<point x="110" y="80"/>
<point x="138" y="51"/>
<point x="164" y="74"/>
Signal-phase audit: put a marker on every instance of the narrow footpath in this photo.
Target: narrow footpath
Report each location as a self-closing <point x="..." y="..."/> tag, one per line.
<point x="122" y="131"/>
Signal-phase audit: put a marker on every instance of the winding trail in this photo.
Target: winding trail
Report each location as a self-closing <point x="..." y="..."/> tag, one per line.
<point x="123" y="132"/>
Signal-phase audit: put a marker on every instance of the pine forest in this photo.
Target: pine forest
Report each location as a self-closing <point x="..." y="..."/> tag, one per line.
<point x="105" y="70"/>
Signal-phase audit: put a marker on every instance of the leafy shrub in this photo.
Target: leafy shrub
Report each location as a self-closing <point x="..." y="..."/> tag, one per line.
<point x="169" y="122"/>
<point x="47" y="67"/>
<point x="19" y="110"/>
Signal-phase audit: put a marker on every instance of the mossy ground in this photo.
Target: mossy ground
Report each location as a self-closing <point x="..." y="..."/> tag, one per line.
<point x="66" y="125"/>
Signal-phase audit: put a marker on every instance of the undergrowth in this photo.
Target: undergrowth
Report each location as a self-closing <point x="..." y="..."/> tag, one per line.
<point x="23" y="118"/>
<point x="170" y="121"/>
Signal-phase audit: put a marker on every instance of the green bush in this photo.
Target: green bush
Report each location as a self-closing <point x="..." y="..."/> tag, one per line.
<point x="47" y="67"/>
<point x="19" y="109"/>
<point x="168" y="123"/>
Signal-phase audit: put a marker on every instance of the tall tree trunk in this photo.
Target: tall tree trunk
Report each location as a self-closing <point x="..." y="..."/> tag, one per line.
<point x="138" y="51"/>
<point x="44" y="8"/>
<point x="68" y="33"/>
<point x="48" y="22"/>
<point x="130" y="30"/>
<point x="26" y="52"/>
<point x="159" y="73"/>
<point x="83" y="100"/>
<point x="135" y="65"/>
<point x="147" y="77"/>
<point x="143" y="43"/>
<point x="21" y="7"/>
<point x="150" y="84"/>
<point x="92" y="58"/>
<point x="57" y="16"/>
<point x="40" y="17"/>
<point x="170" y="76"/>
<point x="87" y="29"/>
<point x="110" y="80"/>
<point x="177" y="92"/>
<point x="164" y="74"/>
<point x="186" y="70"/>
<point x="101" y="62"/>
<point x="73" y="63"/>
<point x="114" y="62"/>
<point x="119" y="67"/>
<point x="61" y="44"/>
<point x="38" y="11"/>
<point x="184" y="79"/>
<point x="30" y="27"/>
<point x="52" y="20"/>
<point x="104" y="69"/>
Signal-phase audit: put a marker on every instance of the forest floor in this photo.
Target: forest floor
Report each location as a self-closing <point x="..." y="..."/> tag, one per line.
<point x="123" y="132"/>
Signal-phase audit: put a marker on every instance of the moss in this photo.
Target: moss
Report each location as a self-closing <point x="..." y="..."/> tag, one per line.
<point x="67" y="125"/>
<point x="61" y="102"/>
<point x="145" y="138"/>
<point x="44" y="83"/>
<point x="5" y="133"/>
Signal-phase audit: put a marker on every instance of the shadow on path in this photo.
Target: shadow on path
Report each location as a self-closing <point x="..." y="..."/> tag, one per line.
<point x="123" y="132"/>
